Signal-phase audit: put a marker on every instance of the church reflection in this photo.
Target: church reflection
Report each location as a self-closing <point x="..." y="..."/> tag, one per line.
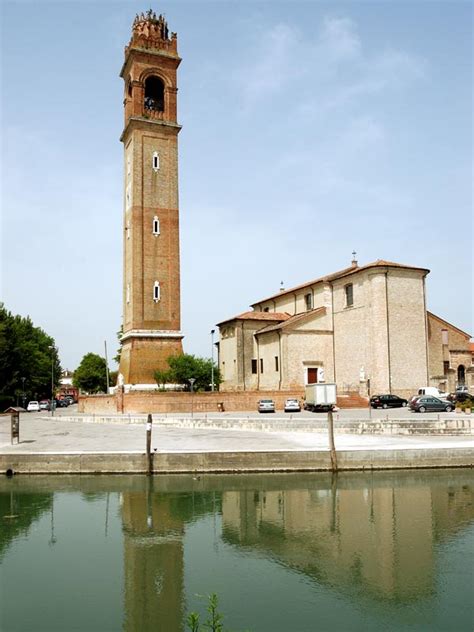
<point x="368" y="536"/>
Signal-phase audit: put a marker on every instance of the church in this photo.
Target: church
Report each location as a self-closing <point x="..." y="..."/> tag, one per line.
<point x="366" y="328"/>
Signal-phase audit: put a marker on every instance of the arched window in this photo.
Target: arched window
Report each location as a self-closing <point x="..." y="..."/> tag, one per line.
<point x="154" y="94"/>
<point x="461" y="375"/>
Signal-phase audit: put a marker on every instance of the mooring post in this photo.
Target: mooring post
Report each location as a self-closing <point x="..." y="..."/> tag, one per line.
<point x="148" y="444"/>
<point x="332" y="447"/>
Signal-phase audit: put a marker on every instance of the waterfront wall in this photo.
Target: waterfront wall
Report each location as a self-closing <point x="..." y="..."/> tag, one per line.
<point x="181" y="402"/>
<point x="238" y="462"/>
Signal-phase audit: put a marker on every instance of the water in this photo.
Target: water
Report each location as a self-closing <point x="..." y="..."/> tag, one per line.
<point x="297" y="552"/>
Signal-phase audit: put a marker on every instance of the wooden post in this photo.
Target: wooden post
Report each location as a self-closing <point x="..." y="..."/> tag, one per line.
<point x="332" y="447"/>
<point x="148" y="444"/>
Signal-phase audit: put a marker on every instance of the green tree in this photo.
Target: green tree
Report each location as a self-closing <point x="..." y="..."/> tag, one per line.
<point x="28" y="358"/>
<point x="184" y="367"/>
<point x="90" y="376"/>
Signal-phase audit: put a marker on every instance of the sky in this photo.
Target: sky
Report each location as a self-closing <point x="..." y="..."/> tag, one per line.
<point x="310" y="129"/>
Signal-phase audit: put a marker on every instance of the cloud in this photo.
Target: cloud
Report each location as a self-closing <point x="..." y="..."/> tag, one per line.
<point x="333" y="60"/>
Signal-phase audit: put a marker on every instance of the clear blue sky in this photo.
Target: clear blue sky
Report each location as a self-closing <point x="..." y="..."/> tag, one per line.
<point x="309" y="129"/>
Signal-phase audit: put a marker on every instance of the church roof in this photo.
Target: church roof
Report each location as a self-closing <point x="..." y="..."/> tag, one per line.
<point x="292" y="321"/>
<point x="251" y="315"/>
<point x="341" y="274"/>
<point x="445" y="322"/>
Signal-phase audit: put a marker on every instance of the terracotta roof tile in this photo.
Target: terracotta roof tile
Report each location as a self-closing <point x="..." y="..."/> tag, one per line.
<point x="340" y="274"/>
<point x="293" y="320"/>
<point x="266" y="316"/>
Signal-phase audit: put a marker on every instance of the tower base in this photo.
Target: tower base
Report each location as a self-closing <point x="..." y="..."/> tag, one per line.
<point x="142" y="355"/>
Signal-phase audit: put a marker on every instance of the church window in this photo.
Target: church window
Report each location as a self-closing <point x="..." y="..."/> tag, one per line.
<point x="156" y="226"/>
<point x="254" y="366"/>
<point x="261" y="365"/>
<point x="155" y="161"/>
<point x="308" y="300"/>
<point x="154" y="94"/>
<point x="128" y="292"/>
<point x="349" y="290"/>
<point x="266" y="309"/>
<point x="445" y="367"/>
<point x="156" y="292"/>
<point x="276" y="363"/>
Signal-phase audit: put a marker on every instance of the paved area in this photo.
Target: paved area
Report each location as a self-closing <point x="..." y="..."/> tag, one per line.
<point x="40" y="434"/>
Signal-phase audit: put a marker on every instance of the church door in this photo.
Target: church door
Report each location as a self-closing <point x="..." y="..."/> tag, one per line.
<point x="312" y="376"/>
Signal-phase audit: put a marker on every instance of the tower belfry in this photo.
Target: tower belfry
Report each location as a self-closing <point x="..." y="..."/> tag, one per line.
<point x="151" y="275"/>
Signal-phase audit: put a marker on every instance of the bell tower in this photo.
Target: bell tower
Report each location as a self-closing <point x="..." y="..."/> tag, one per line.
<point x="151" y="275"/>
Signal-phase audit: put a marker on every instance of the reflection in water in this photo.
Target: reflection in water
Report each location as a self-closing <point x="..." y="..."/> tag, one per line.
<point x="374" y="538"/>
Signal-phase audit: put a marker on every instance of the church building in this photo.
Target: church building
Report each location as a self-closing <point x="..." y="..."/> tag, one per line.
<point x="366" y="328"/>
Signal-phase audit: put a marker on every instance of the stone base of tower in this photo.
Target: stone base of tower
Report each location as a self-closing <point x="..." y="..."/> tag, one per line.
<point x="141" y="356"/>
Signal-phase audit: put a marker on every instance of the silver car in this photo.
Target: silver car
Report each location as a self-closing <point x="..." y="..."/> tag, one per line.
<point x="266" y="406"/>
<point x="292" y="405"/>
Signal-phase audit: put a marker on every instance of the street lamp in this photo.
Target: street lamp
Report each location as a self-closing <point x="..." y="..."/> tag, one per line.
<point x="53" y="348"/>
<point x="191" y="381"/>
<point x="212" y="359"/>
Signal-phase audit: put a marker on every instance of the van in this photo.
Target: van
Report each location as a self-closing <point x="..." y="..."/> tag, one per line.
<point x="432" y="391"/>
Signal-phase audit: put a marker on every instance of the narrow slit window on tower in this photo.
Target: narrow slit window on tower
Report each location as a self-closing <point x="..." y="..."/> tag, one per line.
<point x="156" y="226"/>
<point x="155" y="161"/>
<point x="156" y="292"/>
<point x="154" y="94"/>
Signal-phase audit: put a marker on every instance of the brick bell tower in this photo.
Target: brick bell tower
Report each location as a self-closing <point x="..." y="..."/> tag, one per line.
<point x="151" y="277"/>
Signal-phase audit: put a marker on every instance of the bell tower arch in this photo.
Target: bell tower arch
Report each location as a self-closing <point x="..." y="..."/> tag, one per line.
<point x="151" y="271"/>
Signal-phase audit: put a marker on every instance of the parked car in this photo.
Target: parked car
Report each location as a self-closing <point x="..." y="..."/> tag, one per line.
<point x="462" y="388"/>
<point x="62" y="403"/>
<point x="44" y="404"/>
<point x="69" y="399"/>
<point x="33" y="407"/>
<point x="266" y="406"/>
<point x="388" y="401"/>
<point x="292" y="405"/>
<point x="426" y="404"/>
<point x="460" y="397"/>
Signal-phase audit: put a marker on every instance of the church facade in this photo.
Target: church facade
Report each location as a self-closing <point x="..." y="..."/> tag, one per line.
<point x="366" y="328"/>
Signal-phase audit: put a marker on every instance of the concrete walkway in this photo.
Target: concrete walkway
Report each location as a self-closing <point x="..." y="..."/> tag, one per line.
<point x="231" y="450"/>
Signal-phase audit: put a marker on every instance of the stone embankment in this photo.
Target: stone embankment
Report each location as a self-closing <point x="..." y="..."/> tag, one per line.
<point x="426" y="427"/>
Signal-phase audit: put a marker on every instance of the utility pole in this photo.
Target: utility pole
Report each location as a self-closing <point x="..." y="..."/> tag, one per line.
<point x="106" y="366"/>
<point x="212" y="359"/>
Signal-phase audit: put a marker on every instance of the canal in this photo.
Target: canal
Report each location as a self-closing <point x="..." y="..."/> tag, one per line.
<point x="287" y="552"/>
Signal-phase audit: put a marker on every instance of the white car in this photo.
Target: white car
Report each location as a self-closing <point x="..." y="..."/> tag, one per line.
<point x="292" y="405"/>
<point x="33" y="407"/>
<point x="266" y="406"/>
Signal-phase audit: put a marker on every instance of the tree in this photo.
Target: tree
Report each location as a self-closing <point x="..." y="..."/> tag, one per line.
<point x="29" y="360"/>
<point x="184" y="367"/>
<point x="90" y="375"/>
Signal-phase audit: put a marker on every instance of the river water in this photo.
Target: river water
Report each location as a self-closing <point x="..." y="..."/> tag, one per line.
<point x="290" y="553"/>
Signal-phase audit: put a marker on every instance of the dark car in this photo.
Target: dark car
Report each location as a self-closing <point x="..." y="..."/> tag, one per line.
<point x="388" y="401"/>
<point x="62" y="403"/>
<point x="460" y="397"/>
<point x="426" y="403"/>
